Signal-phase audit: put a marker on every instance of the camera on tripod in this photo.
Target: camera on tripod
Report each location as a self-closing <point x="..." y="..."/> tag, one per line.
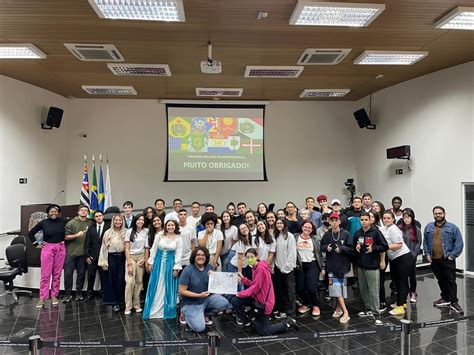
<point x="350" y="186"/>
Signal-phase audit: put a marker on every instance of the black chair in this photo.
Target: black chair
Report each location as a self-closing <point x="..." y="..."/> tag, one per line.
<point x="17" y="265"/>
<point x="112" y="209"/>
<point x="19" y="239"/>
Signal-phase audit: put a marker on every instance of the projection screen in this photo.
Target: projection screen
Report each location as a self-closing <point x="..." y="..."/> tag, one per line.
<point x="215" y="143"/>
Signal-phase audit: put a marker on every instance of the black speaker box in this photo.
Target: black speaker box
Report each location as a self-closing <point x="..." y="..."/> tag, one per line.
<point x="54" y="117"/>
<point x="362" y="118"/>
<point x="401" y="152"/>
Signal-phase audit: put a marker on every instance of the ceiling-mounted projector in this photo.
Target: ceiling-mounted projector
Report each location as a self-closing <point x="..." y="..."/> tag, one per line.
<point x="210" y="66"/>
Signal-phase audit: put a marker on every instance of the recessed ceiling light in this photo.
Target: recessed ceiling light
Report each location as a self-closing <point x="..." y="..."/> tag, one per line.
<point x="109" y="90"/>
<point x="461" y="18"/>
<point x="389" y="57"/>
<point x="170" y="11"/>
<point x="321" y="93"/>
<point x="20" y="51"/>
<point x="313" y="13"/>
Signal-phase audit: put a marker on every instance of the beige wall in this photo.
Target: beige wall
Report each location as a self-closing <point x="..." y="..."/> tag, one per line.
<point x="298" y="137"/>
<point x="28" y="151"/>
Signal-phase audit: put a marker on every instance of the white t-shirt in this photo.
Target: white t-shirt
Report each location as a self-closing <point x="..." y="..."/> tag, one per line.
<point x="211" y="243"/>
<point x="172" y="216"/>
<point x="393" y="235"/>
<point x="253" y="232"/>
<point x="188" y="235"/>
<point x="240" y="248"/>
<point x="263" y="249"/>
<point x="138" y="244"/>
<point x="305" y="249"/>
<point x="193" y="221"/>
<point x="231" y="235"/>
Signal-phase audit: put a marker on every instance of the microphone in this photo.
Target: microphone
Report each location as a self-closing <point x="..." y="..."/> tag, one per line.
<point x="57" y="195"/>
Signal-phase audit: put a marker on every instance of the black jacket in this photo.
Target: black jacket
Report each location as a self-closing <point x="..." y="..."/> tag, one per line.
<point x="93" y="242"/>
<point x="337" y="263"/>
<point x="370" y="261"/>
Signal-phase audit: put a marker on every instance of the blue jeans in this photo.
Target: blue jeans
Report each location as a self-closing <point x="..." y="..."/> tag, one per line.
<point x="194" y="313"/>
<point x="225" y="260"/>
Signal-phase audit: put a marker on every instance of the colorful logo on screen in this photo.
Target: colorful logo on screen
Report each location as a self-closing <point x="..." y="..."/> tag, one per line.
<point x="179" y="128"/>
<point x="218" y="135"/>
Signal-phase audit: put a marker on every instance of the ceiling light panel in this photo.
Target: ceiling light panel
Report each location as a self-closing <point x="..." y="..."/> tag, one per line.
<point x="140" y="69"/>
<point x="389" y="57"/>
<point x="20" y="51"/>
<point x="253" y="71"/>
<point x="313" y="13"/>
<point x="147" y="10"/>
<point x="461" y="18"/>
<point x="109" y="90"/>
<point x="322" y="93"/>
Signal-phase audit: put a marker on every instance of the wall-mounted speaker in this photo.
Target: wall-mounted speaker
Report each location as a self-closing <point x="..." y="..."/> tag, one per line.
<point x="363" y="119"/>
<point x="53" y="119"/>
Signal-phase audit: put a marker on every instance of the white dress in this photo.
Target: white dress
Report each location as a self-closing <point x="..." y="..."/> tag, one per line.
<point x="164" y="244"/>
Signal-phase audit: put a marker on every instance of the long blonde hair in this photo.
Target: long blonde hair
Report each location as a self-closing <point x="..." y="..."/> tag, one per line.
<point x="121" y="233"/>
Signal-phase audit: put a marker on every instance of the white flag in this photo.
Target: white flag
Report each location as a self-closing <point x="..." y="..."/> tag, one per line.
<point x="108" y="189"/>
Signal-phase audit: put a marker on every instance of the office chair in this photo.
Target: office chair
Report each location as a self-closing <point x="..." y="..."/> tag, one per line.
<point x="19" y="239"/>
<point x="17" y="265"/>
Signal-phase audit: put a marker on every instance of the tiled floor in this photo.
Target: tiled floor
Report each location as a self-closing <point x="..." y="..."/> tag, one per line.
<point x="91" y="321"/>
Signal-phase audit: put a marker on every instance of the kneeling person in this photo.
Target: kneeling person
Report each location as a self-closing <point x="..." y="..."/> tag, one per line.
<point x="198" y="304"/>
<point x="261" y="295"/>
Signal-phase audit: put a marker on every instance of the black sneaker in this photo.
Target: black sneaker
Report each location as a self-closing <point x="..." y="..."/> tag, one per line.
<point x="280" y="315"/>
<point x="243" y="325"/>
<point x="116" y="308"/>
<point x="441" y="303"/>
<point x="456" y="308"/>
<point x="67" y="298"/>
<point x="292" y="324"/>
<point x="79" y="296"/>
<point x="383" y="307"/>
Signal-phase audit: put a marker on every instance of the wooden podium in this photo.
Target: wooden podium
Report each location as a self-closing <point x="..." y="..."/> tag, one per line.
<point x="30" y="216"/>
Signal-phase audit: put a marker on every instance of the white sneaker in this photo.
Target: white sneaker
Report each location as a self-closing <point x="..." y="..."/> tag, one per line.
<point x="365" y="314"/>
<point x="208" y="321"/>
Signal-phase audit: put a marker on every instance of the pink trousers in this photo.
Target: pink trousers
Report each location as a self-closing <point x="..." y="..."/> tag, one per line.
<point x="52" y="263"/>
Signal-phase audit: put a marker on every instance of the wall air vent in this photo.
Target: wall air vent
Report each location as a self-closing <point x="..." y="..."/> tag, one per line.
<point x="109" y="90"/>
<point x="219" y="92"/>
<point x="323" y="56"/>
<point x="322" y="93"/>
<point x="95" y="52"/>
<point x="140" y="69"/>
<point x="279" y="72"/>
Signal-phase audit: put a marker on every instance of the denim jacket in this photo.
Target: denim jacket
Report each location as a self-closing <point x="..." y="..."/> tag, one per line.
<point x="451" y="240"/>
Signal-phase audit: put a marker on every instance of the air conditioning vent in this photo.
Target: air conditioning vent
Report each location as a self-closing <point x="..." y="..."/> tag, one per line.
<point x="325" y="56"/>
<point x="322" y="93"/>
<point x="253" y="71"/>
<point x="140" y="69"/>
<point x="219" y="92"/>
<point x="95" y="52"/>
<point x="109" y="90"/>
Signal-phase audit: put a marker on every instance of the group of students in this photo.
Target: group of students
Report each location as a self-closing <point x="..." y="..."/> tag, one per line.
<point x="281" y="258"/>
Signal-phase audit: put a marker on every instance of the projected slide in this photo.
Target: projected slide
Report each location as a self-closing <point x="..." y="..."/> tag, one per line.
<point x="215" y="144"/>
